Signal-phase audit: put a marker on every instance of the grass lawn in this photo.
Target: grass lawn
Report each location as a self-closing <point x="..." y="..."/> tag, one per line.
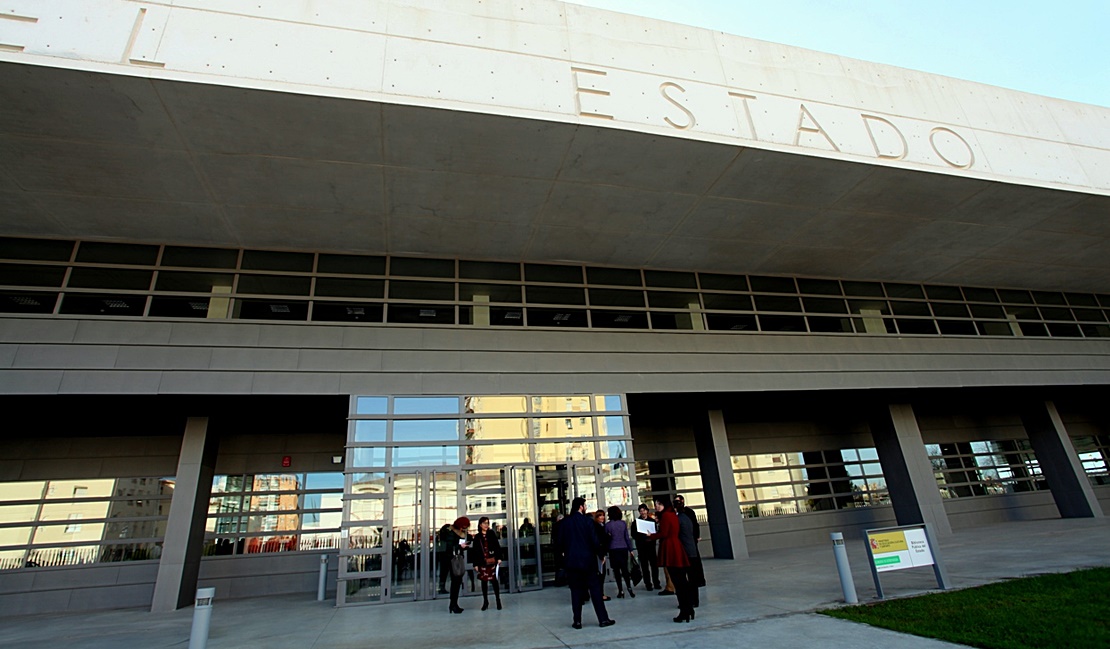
<point x="1064" y="610"/>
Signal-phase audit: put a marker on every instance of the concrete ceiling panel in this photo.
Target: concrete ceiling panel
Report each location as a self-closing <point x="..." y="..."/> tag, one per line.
<point x="825" y="262"/>
<point x="908" y="193"/>
<point x="615" y="157"/>
<point x="897" y="266"/>
<point x="306" y="229"/>
<point x="784" y="178"/>
<point x="720" y="255"/>
<point x="293" y="183"/>
<point x="461" y="197"/>
<point x="852" y="230"/>
<point x="218" y="119"/>
<point x="1087" y="215"/>
<point x="1011" y="205"/>
<point x="467" y="238"/>
<point x="23" y="214"/>
<point x="578" y="245"/>
<point x="78" y="106"/>
<point x="746" y="221"/>
<point x="100" y="169"/>
<point x="443" y="140"/>
<point x="138" y="220"/>
<point x="952" y="238"/>
<point x="1040" y="247"/>
<point x="600" y="208"/>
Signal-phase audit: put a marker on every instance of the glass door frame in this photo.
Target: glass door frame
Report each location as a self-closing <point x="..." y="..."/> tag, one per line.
<point x="424" y="546"/>
<point x="520" y="492"/>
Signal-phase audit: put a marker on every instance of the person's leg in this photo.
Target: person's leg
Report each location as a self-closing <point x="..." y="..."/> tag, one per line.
<point x="682" y="590"/>
<point x="619" y="561"/>
<point x="594" y="583"/>
<point x="456" y="586"/>
<point x="669" y="588"/>
<point x="485" y="594"/>
<point x="577" y="592"/>
<point x="497" y="593"/>
<point x="653" y="561"/>
<point x="695" y="581"/>
<point x="444" y="571"/>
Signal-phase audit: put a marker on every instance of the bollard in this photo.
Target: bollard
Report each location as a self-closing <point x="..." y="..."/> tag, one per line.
<point x="202" y="618"/>
<point x="842" y="567"/>
<point x="321" y="585"/>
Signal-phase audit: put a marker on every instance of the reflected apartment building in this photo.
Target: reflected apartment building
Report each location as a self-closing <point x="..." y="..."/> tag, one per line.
<point x="270" y="309"/>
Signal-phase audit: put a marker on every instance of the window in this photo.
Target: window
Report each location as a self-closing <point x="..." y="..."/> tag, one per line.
<point x="48" y="523"/>
<point x="278" y="512"/>
<point x="799" y="482"/>
<point x="985" y="468"/>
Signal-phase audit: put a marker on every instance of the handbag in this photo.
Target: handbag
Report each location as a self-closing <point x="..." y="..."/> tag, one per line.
<point x="458" y="565"/>
<point x="634" y="571"/>
<point x="491" y="561"/>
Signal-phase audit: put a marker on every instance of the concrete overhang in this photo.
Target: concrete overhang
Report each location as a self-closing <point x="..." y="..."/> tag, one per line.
<point x="84" y="154"/>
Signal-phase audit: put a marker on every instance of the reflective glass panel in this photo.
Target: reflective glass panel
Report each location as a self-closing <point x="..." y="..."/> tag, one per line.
<point x="365" y="537"/>
<point x="362" y="590"/>
<point x="608" y="402"/>
<point x="498" y="454"/>
<point x="366" y="509"/>
<point x="616" y="472"/>
<point x="425" y="405"/>
<point x="368" y="483"/>
<point x="369" y="431"/>
<point x="367" y="457"/>
<point x="370" y="405"/>
<point x="31" y="490"/>
<point x="559" y="452"/>
<point x="482" y="478"/>
<point x="572" y="403"/>
<point x="611" y="426"/>
<point x="568" y="426"/>
<point x="329" y="480"/>
<point x="495" y="404"/>
<point x="425" y="456"/>
<point x="511" y="428"/>
<point x="614" y="450"/>
<point x="426" y="430"/>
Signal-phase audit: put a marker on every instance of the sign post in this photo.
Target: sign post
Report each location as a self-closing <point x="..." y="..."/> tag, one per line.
<point x="899" y="548"/>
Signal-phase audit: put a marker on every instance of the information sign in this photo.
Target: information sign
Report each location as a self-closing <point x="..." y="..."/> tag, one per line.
<point x="898" y="548"/>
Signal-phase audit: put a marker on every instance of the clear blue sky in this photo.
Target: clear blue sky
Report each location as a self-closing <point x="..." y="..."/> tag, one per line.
<point x="1058" y="48"/>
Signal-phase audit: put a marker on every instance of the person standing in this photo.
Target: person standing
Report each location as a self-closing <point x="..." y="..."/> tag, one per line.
<point x="661" y="504"/>
<point x="457" y="545"/>
<point x="581" y="548"/>
<point x="620" y="547"/>
<point x="689" y="533"/>
<point x="485" y="554"/>
<point x="645" y="548"/>
<point x="673" y="557"/>
<point x="603" y="536"/>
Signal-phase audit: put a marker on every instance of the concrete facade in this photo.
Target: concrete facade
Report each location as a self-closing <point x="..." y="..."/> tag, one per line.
<point x="535" y="133"/>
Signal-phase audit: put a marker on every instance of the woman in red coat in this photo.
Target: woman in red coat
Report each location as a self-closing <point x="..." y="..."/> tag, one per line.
<point x="673" y="557"/>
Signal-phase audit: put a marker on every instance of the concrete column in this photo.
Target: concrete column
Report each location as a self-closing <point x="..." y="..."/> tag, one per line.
<point x="181" y="552"/>
<point x="726" y="524"/>
<point x="1071" y="489"/>
<point x="906" y="467"/>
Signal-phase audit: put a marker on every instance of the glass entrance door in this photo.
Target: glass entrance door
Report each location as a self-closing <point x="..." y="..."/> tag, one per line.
<point x="422" y="503"/>
<point x="522" y="533"/>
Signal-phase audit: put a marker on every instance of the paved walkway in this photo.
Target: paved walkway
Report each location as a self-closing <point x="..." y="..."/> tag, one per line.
<point x="766" y="601"/>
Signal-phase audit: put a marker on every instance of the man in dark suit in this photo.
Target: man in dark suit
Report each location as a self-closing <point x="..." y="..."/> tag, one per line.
<point x="581" y="548"/>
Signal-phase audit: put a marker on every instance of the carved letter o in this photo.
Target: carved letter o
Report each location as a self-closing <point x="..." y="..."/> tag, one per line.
<point x="970" y="153"/>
